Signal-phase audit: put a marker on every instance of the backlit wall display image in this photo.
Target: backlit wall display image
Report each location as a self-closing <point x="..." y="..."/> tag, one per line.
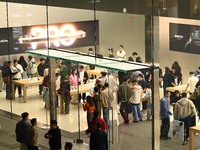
<point x="185" y="38"/>
<point x="60" y="35"/>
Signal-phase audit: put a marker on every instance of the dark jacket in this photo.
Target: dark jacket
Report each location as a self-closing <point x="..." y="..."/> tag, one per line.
<point x="124" y="93"/>
<point x="6" y="71"/>
<point x="21" y="129"/>
<point x="55" y="141"/>
<point x="64" y="85"/>
<point x="40" y="69"/>
<point x="168" y="79"/>
<point x="23" y="63"/>
<point x="64" y="73"/>
<point x="85" y="77"/>
<point x="98" y="140"/>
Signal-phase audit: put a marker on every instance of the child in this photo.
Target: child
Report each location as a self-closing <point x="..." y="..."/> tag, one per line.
<point x="148" y="96"/>
<point x="89" y="107"/>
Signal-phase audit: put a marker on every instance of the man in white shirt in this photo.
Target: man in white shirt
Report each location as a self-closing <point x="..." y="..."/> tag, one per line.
<point x="192" y="81"/>
<point x="17" y="71"/>
<point x="121" y="54"/>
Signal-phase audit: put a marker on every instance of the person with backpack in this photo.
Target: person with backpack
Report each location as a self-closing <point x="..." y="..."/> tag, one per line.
<point x="32" y="69"/>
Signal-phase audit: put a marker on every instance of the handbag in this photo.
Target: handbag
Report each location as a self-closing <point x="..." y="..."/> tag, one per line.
<point x="6" y="80"/>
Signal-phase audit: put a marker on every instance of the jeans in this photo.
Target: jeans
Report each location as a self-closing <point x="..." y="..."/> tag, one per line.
<point x="187" y="125"/>
<point x="149" y="110"/>
<point x="23" y="146"/>
<point x="165" y="127"/>
<point x="105" y="114"/>
<point x="123" y="112"/>
<point x="89" y="118"/>
<point x="137" y="114"/>
<point x="8" y="90"/>
<point x="30" y="147"/>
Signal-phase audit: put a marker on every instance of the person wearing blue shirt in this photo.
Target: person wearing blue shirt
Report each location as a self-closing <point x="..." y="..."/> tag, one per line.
<point x="165" y="116"/>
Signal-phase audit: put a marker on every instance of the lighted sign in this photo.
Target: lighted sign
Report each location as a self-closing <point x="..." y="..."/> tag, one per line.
<point x="66" y="35"/>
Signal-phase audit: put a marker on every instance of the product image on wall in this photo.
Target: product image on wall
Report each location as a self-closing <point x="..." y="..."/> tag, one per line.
<point x="185" y="38"/>
<point x="60" y="35"/>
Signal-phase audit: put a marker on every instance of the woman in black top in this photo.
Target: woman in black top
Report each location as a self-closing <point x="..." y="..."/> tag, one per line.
<point x="23" y="63"/>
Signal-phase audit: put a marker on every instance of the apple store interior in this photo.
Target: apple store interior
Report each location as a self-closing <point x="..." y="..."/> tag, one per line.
<point x="88" y="43"/>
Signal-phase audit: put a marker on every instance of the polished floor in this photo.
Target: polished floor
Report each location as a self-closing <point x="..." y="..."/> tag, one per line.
<point x="135" y="136"/>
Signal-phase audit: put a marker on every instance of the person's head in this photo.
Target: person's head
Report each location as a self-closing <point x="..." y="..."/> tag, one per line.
<point x="74" y="71"/>
<point x="191" y="73"/>
<point x="81" y="68"/>
<point x="133" y="82"/>
<point x="5" y="63"/>
<point x="177" y="93"/>
<point x="148" y="85"/>
<point x="30" y="57"/>
<point x="199" y="68"/>
<point x="67" y="78"/>
<point x="121" y="48"/>
<point x="167" y="69"/>
<point x="140" y="77"/>
<point x="63" y="64"/>
<point x="90" y="51"/>
<point x="103" y="74"/>
<point x="184" y="95"/>
<point x="34" y="122"/>
<point x="96" y="114"/>
<point x="68" y="146"/>
<point x="15" y="62"/>
<point x="21" y="58"/>
<point x="110" y="50"/>
<point x="24" y="115"/>
<point x="167" y="94"/>
<point x="53" y="124"/>
<point x="9" y="63"/>
<point x="57" y="75"/>
<point x="134" y="54"/>
<point x="42" y="60"/>
<point x="96" y="89"/>
<point x="97" y="82"/>
<point x="89" y="100"/>
<point x="98" y="125"/>
<point x="125" y="79"/>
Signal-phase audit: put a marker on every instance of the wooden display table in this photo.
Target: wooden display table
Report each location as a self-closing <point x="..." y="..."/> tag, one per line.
<point x="180" y="88"/>
<point x="191" y="138"/>
<point x="74" y="90"/>
<point x="96" y="72"/>
<point x="26" y="83"/>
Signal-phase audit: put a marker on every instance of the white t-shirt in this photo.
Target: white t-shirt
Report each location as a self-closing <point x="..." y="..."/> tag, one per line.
<point x="192" y="81"/>
<point x="18" y="69"/>
<point x="121" y="55"/>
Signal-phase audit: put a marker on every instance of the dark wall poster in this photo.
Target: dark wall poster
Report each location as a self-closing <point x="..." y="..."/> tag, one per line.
<point x="185" y="38"/>
<point x="60" y="35"/>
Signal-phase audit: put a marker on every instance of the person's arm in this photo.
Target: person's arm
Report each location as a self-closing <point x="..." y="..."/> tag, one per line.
<point x="47" y="135"/>
<point x="192" y="107"/>
<point x="187" y="87"/>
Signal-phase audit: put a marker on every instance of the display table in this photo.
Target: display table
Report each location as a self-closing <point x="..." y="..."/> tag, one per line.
<point x="191" y="138"/>
<point x="96" y="72"/>
<point x="74" y="91"/>
<point x="180" y="88"/>
<point x="25" y="83"/>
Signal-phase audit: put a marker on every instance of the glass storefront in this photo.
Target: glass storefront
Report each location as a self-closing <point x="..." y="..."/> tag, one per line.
<point x="90" y="33"/>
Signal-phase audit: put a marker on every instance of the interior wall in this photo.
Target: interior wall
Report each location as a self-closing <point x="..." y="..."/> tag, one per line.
<point x="114" y="28"/>
<point x="188" y="62"/>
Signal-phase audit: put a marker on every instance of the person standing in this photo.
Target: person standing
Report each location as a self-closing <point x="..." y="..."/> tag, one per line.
<point x="65" y="91"/>
<point x="32" y="135"/>
<point x="165" y="116"/>
<point x="32" y="69"/>
<point x="40" y="69"/>
<point x="65" y="71"/>
<point x="83" y="75"/>
<point x="121" y="54"/>
<point x="54" y="136"/>
<point x="24" y="65"/>
<point x="136" y="96"/>
<point x="6" y="75"/>
<point x="124" y="94"/>
<point x="97" y="99"/>
<point x="17" y="70"/>
<point x="192" y="81"/>
<point x="183" y="111"/>
<point x="98" y="139"/>
<point x="21" y="130"/>
<point x="107" y="99"/>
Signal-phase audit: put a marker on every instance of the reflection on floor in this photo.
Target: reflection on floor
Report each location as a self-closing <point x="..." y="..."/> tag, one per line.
<point x="35" y="107"/>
